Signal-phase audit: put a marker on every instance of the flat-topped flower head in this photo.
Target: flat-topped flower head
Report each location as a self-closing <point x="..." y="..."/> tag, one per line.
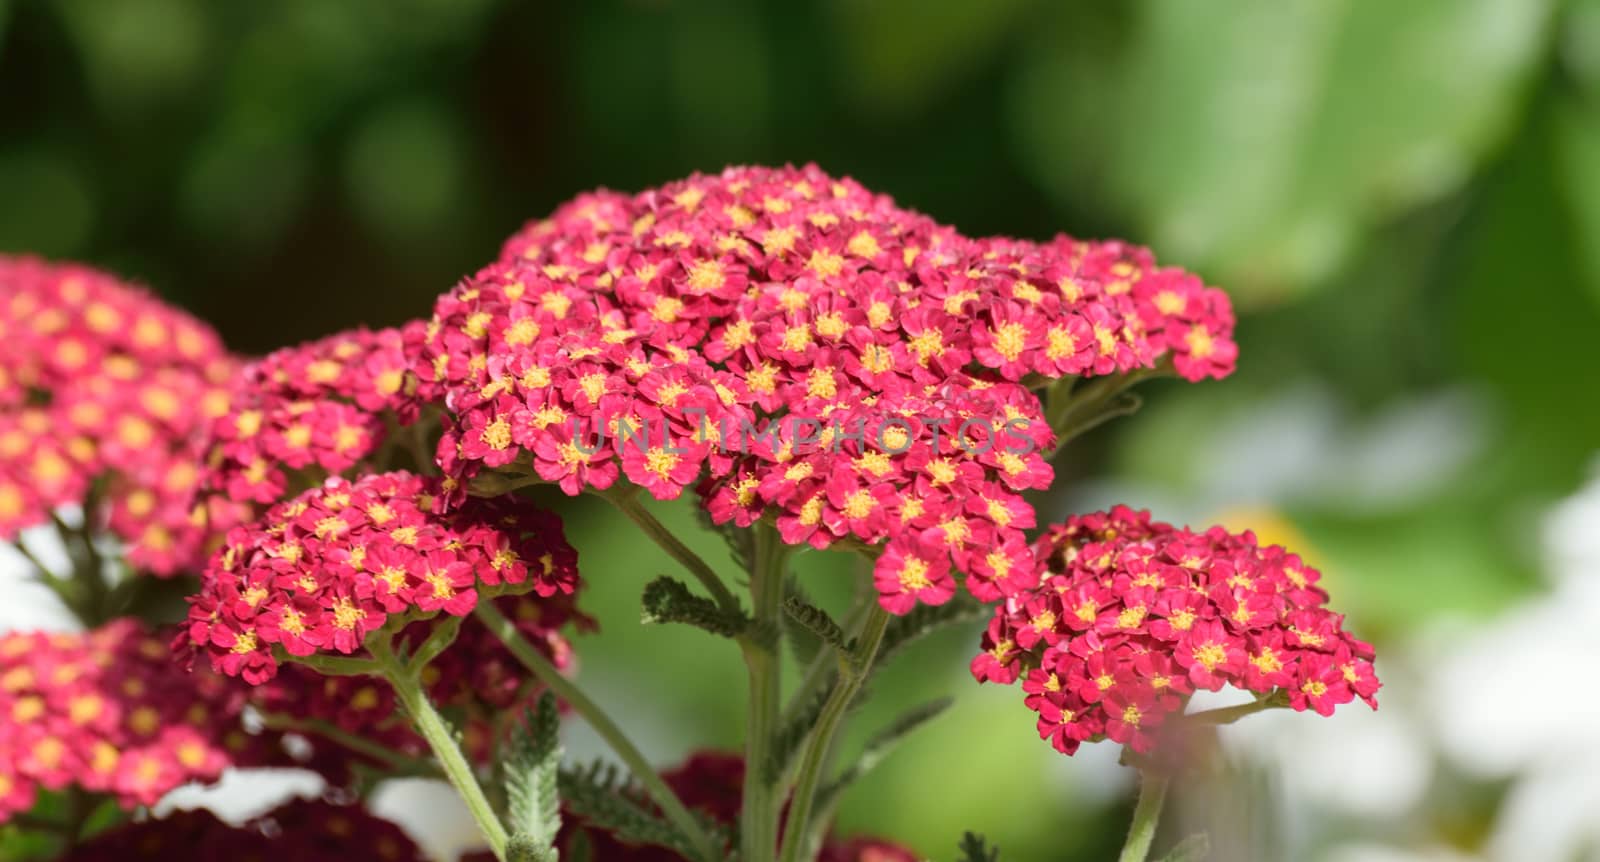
<point x="106" y="390"/>
<point x="303" y="830"/>
<point x="107" y="711"/>
<point x="1133" y="616"/>
<point x="320" y="572"/>
<point x="316" y="409"/>
<point x="800" y="350"/>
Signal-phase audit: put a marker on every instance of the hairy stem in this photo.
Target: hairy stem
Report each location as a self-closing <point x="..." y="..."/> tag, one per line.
<point x="815" y="757"/>
<point x="758" y="825"/>
<point x="627" y="502"/>
<point x="1146" y="816"/>
<point x="607" y="729"/>
<point x="432" y="727"/>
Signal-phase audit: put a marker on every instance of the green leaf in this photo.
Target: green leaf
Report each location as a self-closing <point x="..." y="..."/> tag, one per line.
<point x="1578" y="151"/>
<point x="1261" y="145"/>
<point x="667" y="600"/>
<point x="904" y="55"/>
<point x="1192" y="849"/>
<point x="533" y="803"/>
<point x="816" y="621"/>
<point x="599" y="796"/>
<point x="975" y="849"/>
<point x="802" y="643"/>
<point x="1518" y="283"/>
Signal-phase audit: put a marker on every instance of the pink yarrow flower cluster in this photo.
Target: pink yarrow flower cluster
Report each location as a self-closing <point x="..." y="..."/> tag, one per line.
<point x="799" y="349"/>
<point x="325" y="405"/>
<point x="108" y="712"/>
<point x="101" y="381"/>
<point x="321" y="571"/>
<point x="1134" y="615"/>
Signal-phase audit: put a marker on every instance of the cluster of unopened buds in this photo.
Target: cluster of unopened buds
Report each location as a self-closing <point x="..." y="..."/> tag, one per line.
<point x="375" y="593"/>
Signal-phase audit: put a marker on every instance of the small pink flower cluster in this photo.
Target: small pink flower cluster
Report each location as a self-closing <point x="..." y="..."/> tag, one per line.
<point x="682" y="322"/>
<point x="109" y="712"/>
<point x="301" y="830"/>
<point x="324" y="569"/>
<point x="99" y="379"/>
<point x="325" y="404"/>
<point x="1134" y="615"/>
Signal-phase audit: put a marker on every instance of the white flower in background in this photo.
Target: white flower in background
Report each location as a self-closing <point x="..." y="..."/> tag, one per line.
<point x="30" y="605"/>
<point x="1512" y="701"/>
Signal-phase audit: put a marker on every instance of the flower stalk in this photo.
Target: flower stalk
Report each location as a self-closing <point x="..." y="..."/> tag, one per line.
<point x="433" y="728"/>
<point x="602" y="724"/>
<point x="627" y="502"/>
<point x="1146" y="817"/>
<point x="763" y="794"/>
<point x="813" y="761"/>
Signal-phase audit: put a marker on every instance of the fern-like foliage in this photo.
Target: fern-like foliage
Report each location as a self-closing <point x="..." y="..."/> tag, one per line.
<point x="667" y="600"/>
<point x="975" y="849"/>
<point x="818" y="622"/>
<point x="601" y="796"/>
<point x="533" y="802"/>
<point x="803" y="645"/>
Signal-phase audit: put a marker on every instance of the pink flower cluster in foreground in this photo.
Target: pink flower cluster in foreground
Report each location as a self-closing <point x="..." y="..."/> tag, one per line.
<point x="108" y="711"/>
<point x="321" y="571"/>
<point x="101" y="381"/>
<point x="671" y="321"/>
<point x="1134" y="615"/>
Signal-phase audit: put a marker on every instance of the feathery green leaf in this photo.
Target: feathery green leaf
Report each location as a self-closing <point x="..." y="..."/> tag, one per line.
<point x="667" y="600"/>
<point x="975" y="849"/>
<point x="533" y="760"/>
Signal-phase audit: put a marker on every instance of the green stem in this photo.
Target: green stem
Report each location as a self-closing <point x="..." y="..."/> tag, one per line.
<point x="627" y="502"/>
<point x="88" y="569"/>
<point x="758" y="825"/>
<point x="825" y="665"/>
<point x="1072" y="410"/>
<point x="1231" y="714"/>
<point x="64" y="588"/>
<point x="1146" y="816"/>
<point x="432" y="727"/>
<point x="607" y="729"/>
<point x="815" y="758"/>
<point x="443" y="635"/>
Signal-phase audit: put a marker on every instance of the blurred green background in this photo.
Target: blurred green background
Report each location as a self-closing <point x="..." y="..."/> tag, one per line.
<point x="1403" y="199"/>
